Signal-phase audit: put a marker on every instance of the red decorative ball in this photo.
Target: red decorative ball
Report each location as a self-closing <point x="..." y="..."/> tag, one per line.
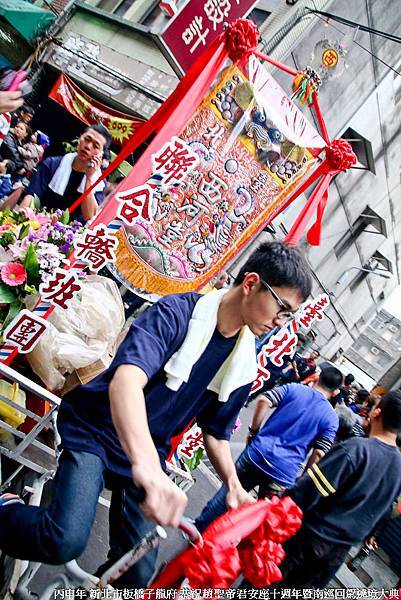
<point x="340" y="155"/>
<point x="242" y="37"/>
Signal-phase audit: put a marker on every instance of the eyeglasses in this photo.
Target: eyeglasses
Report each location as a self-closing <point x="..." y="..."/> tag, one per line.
<point x="284" y="312"/>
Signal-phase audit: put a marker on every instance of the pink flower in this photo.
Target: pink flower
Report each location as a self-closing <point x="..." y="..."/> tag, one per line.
<point x="31" y="215"/>
<point x="13" y="274"/>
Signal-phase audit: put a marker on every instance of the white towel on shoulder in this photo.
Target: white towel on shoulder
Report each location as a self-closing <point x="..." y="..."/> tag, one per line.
<point x="59" y="181"/>
<point x="238" y="369"/>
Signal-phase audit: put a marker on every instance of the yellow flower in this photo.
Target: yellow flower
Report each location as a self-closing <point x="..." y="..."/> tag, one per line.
<point x="34" y="224"/>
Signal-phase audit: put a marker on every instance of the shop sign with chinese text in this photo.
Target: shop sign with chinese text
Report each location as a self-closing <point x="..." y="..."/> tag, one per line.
<point x="121" y="127"/>
<point x="197" y="25"/>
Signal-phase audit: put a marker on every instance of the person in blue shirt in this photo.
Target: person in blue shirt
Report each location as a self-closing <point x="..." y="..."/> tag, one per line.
<point x="60" y="180"/>
<point x="188" y="356"/>
<point x="303" y="419"/>
<point x="7" y="170"/>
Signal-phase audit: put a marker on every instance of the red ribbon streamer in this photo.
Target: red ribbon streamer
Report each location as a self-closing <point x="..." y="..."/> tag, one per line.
<point x="339" y="157"/>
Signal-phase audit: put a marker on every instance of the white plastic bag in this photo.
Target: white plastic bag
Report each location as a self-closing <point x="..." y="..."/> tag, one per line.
<point x="87" y="331"/>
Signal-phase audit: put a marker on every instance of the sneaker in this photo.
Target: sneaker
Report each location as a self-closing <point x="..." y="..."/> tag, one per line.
<point x="6" y="499"/>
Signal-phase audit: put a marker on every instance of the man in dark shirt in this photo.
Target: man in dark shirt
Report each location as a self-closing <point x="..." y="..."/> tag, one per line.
<point x="179" y="361"/>
<point x="60" y="180"/>
<point x="344" y="498"/>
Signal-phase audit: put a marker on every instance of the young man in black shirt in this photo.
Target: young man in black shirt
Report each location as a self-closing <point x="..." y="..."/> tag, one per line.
<point x="344" y="498"/>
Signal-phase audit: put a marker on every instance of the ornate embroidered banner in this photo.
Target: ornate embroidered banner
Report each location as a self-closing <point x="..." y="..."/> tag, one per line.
<point x="215" y="185"/>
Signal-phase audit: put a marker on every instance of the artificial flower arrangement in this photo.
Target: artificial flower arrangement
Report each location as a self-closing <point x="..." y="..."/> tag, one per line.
<point x="33" y="243"/>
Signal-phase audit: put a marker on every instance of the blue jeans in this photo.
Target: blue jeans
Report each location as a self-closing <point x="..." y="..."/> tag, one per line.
<point x="250" y="476"/>
<point x="60" y="532"/>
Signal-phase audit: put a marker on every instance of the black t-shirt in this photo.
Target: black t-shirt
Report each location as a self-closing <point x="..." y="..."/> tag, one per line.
<point x="347" y="494"/>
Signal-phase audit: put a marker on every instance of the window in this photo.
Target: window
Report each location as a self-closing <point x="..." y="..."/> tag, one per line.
<point x="377" y="323"/>
<point x="258" y="16"/>
<point x="145" y="12"/>
<point x="356" y="282"/>
<point x="368" y="221"/>
<point x="363" y="150"/>
<point x="384" y="360"/>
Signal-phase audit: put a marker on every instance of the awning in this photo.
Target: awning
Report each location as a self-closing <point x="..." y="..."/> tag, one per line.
<point x="29" y="20"/>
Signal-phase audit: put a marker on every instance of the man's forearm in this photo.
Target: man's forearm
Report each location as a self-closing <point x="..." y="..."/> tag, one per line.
<point x="128" y="411"/>
<point x="220" y="456"/>
<point x="89" y="206"/>
<point x="314" y="457"/>
<point x="163" y="502"/>
<point x="262" y="404"/>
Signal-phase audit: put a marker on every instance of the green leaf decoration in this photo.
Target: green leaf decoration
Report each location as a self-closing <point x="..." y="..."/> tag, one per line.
<point x="30" y="289"/>
<point x="6" y="294"/>
<point x="36" y="202"/>
<point x="31" y="265"/>
<point x="13" y="310"/>
<point x="65" y="219"/>
<point x="193" y="462"/>
<point x="24" y="231"/>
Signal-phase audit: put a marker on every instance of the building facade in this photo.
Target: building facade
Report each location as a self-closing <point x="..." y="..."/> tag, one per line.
<point x="358" y="260"/>
<point x="378" y="349"/>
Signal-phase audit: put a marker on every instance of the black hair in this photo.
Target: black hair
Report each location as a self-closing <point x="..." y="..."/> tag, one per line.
<point x="330" y="378"/>
<point x="390" y="406"/>
<point x="106" y="154"/>
<point x="362" y="395"/>
<point x="346" y="421"/>
<point x="103" y="132"/>
<point x="27" y="109"/>
<point x="10" y="166"/>
<point x="349" y="379"/>
<point x="280" y="266"/>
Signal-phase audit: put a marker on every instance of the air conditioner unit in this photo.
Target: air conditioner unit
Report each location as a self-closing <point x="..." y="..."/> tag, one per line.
<point x="375" y="350"/>
<point x="393" y="328"/>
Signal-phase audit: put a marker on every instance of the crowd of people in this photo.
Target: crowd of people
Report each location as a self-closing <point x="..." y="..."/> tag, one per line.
<point x="192" y="357"/>
<point x="21" y="150"/>
<point x="27" y="169"/>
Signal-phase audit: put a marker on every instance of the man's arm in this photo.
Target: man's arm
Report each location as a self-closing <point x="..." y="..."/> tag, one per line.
<point x="220" y="456"/>
<point x="323" y="480"/>
<point x="89" y="206"/>
<point x="314" y="457"/>
<point x="164" y="502"/>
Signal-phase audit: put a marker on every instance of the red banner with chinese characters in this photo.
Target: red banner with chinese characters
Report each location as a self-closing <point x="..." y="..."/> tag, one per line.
<point x="121" y="126"/>
<point x="284" y="342"/>
<point x="197" y="25"/>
